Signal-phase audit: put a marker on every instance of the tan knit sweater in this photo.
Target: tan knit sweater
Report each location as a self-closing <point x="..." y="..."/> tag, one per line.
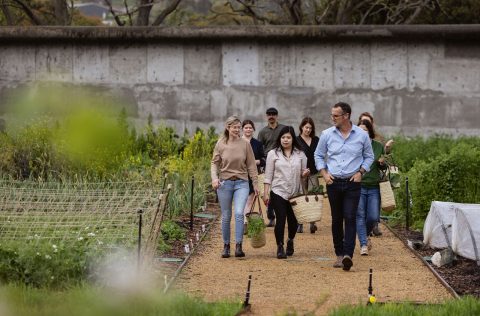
<point x="233" y="159"/>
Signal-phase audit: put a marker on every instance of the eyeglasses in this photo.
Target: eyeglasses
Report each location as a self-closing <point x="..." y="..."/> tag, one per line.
<point x="272" y="114"/>
<point x="336" y="115"/>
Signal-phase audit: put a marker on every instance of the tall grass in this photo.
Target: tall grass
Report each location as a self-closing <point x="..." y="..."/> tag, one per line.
<point x="462" y="307"/>
<point x="87" y="301"/>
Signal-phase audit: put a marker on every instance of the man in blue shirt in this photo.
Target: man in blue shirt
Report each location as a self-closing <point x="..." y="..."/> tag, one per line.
<point x="344" y="153"/>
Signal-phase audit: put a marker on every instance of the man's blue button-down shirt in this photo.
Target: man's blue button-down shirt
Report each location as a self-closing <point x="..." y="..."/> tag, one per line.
<point x="343" y="157"/>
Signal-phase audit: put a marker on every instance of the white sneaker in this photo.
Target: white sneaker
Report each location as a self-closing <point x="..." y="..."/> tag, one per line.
<point x="364" y="251"/>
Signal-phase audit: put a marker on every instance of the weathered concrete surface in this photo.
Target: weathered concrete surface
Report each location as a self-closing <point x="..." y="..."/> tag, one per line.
<point x="413" y="79"/>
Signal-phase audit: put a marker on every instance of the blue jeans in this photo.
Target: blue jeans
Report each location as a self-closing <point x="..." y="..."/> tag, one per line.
<point x="343" y="196"/>
<point x="367" y="213"/>
<point x="236" y="190"/>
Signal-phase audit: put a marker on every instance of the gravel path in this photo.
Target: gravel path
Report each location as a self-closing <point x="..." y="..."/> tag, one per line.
<point x="307" y="282"/>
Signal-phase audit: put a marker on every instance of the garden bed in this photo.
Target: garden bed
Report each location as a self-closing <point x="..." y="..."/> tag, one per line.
<point x="463" y="275"/>
<point x="170" y="262"/>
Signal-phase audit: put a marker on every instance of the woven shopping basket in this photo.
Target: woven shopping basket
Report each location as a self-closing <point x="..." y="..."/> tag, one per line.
<point x="307" y="207"/>
<point x="258" y="240"/>
<point x="387" y="197"/>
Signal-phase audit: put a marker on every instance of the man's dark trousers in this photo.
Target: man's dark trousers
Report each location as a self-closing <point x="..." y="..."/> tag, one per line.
<point x="344" y="196"/>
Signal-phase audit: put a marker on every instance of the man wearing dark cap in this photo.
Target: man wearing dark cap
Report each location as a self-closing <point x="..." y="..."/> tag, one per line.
<point x="268" y="136"/>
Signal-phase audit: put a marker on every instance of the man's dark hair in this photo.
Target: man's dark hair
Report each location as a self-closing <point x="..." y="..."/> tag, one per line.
<point x="345" y="108"/>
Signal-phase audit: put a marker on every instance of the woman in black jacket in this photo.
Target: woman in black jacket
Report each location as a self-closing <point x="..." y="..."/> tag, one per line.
<point x="308" y="141"/>
<point x="248" y="129"/>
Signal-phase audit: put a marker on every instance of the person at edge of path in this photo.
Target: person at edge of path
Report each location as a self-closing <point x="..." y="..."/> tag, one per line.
<point x="248" y="128"/>
<point x="268" y="136"/>
<point x="309" y="141"/>
<point x="388" y="148"/>
<point x="285" y="169"/>
<point x="232" y="164"/>
<point x="343" y="155"/>
<point x="369" y="204"/>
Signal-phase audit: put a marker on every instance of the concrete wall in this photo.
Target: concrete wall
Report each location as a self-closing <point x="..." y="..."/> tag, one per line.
<point x="414" y="80"/>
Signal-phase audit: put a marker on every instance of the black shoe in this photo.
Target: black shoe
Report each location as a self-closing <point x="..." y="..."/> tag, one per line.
<point x="238" y="250"/>
<point x="347" y="263"/>
<point x="313" y="228"/>
<point x="271" y="223"/>
<point x="290" y="249"/>
<point x="226" y="251"/>
<point x="300" y="228"/>
<point x="376" y="230"/>
<point x="281" y="253"/>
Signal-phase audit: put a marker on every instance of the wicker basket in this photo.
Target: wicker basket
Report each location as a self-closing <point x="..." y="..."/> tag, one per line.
<point x="307" y="208"/>
<point x="258" y="240"/>
<point x="386" y="196"/>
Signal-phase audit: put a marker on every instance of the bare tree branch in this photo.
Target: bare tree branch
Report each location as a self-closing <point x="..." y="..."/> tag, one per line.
<point x="60" y="12"/>
<point x="169" y="9"/>
<point x="320" y="18"/>
<point x="29" y="12"/>
<point x="144" y="10"/>
<point x="128" y="13"/>
<point x="367" y="14"/>
<point x="6" y="12"/>
<point x="115" y="16"/>
<point x="417" y="11"/>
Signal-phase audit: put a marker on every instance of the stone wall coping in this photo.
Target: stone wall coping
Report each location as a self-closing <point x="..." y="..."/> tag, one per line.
<point x="460" y="32"/>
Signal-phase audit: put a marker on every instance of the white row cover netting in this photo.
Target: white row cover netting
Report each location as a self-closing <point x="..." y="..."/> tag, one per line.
<point x="455" y="225"/>
<point x="106" y="212"/>
<point x="466" y="232"/>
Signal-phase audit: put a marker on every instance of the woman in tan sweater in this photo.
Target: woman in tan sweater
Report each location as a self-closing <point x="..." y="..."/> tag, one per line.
<point x="232" y="163"/>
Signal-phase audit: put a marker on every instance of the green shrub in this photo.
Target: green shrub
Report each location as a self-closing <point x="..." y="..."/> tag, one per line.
<point x="172" y="231"/>
<point x="452" y="176"/>
<point x="92" y="143"/>
<point x="406" y="151"/>
<point x="34" y="152"/>
<point x="158" y="143"/>
<point x="40" y="263"/>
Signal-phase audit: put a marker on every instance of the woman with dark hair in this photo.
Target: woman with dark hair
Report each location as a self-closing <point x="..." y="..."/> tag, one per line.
<point x="388" y="147"/>
<point x="233" y="163"/>
<point x="369" y="204"/>
<point x="286" y="168"/>
<point x="367" y="116"/>
<point x="248" y="128"/>
<point x="308" y="141"/>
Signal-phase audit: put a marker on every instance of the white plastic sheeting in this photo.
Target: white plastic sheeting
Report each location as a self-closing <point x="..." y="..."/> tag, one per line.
<point x="466" y="232"/>
<point x="437" y="230"/>
<point x="455" y="225"/>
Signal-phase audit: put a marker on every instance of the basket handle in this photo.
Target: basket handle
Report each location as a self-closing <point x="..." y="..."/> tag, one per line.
<point x="305" y="183"/>
<point x="252" y="207"/>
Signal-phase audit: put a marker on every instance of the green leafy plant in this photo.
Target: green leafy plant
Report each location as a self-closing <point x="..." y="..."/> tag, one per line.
<point x="318" y="189"/>
<point x="255" y="226"/>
